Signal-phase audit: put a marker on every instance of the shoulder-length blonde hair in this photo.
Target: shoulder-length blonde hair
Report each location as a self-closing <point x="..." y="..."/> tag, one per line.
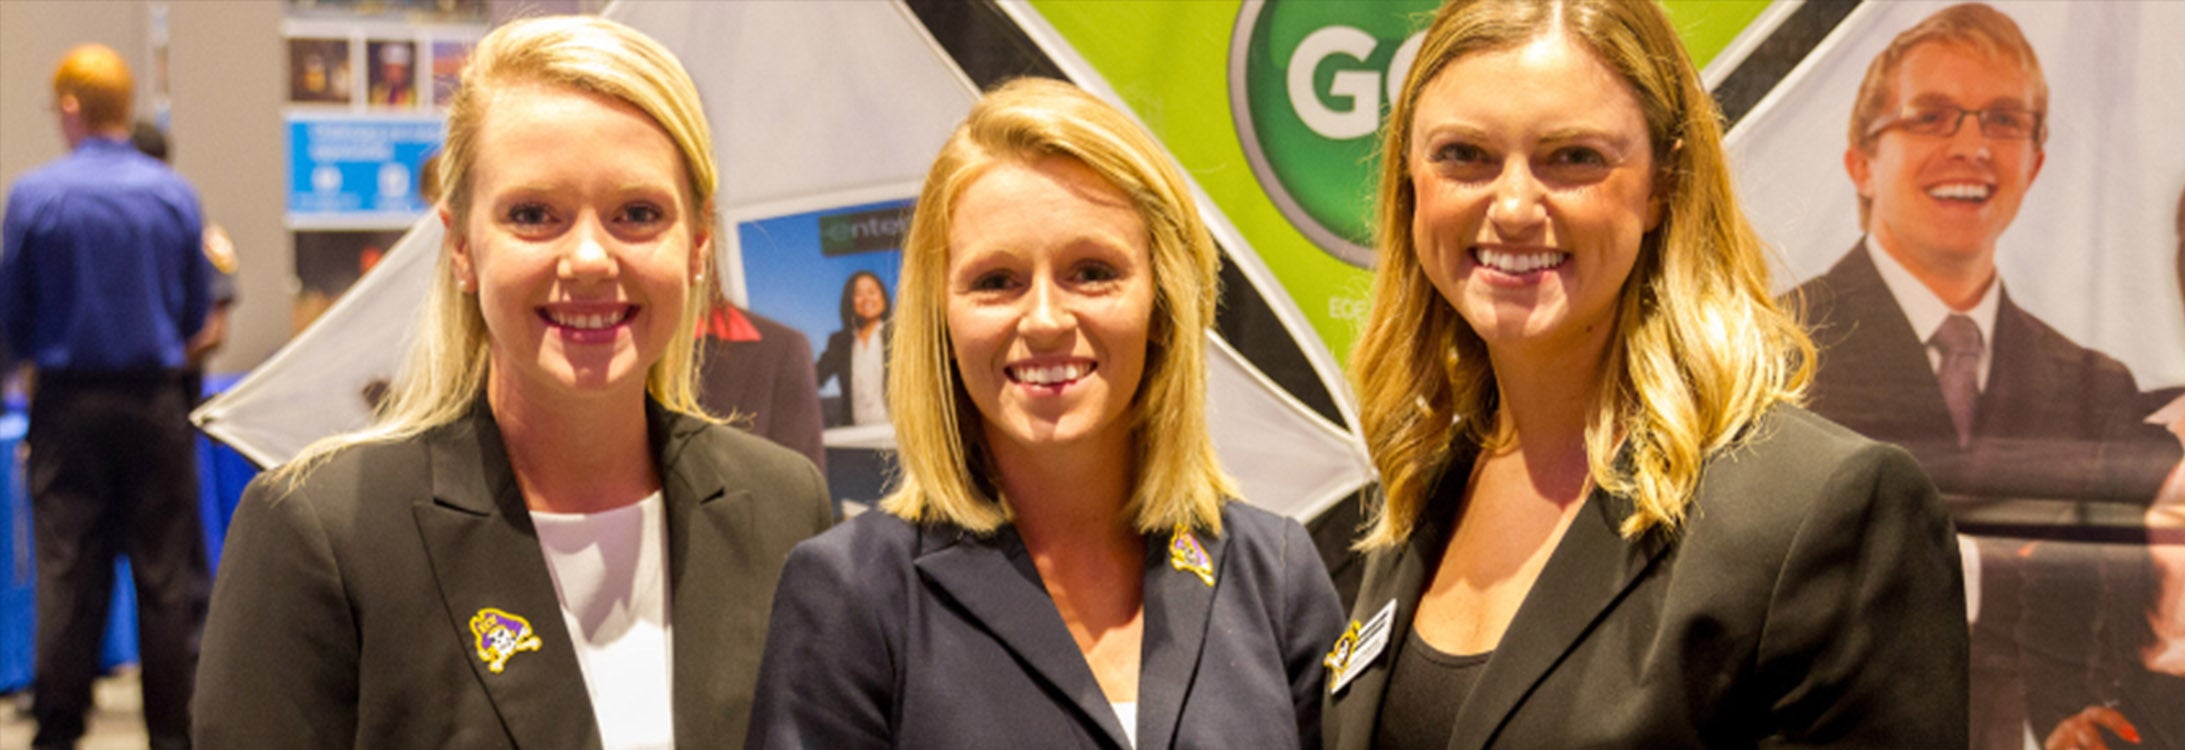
<point x="946" y="469"/>
<point x="1701" y="350"/>
<point x="446" y="368"/>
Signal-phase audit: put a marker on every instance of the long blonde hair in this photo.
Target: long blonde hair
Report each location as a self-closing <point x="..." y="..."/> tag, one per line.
<point x="946" y="470"/>
<point x="447" y="365"/>
<point x="1700" y="350"/>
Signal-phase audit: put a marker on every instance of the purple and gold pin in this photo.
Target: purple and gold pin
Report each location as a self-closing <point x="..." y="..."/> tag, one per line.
<point x="499" y="635"/>
<point x="1185" y="554"/>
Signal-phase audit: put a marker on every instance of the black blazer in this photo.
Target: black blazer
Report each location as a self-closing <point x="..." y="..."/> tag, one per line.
<point x="1813" y="598"/>
<point x="341" y="615"/>
<point x="2057" y="420"/>
<point x="893" y="635"/>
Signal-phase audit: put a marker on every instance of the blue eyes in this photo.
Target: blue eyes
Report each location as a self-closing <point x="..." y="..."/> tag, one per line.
<point x="1459" y="152"/>
<point x="528" y="214"/>
<point x="538" y="215"/>
<point x="1567" y="164"/>
<point x="1578" y="156"/>
<point x="1086" y="275"/>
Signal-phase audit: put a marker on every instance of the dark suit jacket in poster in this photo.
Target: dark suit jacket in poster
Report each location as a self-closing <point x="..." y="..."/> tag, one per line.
<point x="834" y="362"/>
<point x="756" y="373"/>
<point x="893" y="635"/>
<point x="1813" y="598"/>
<point x="341" y="614"/>
<point x="2057" y="420"/>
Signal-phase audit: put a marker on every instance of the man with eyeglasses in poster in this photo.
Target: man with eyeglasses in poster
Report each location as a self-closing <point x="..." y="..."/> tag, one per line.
<point x="1922" y="346"/>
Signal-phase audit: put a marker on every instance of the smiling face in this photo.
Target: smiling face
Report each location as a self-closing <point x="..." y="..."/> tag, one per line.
<point x="1534" y="175"/>
<point x="1941" y="201"/>
<point x="1050" y="300"/>
<point x="867" y="299"/>
<point x="579" y="242"/>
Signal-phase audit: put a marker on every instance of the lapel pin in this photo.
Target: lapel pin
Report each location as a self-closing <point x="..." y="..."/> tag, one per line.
<point x="1185" y="554"/>
<point x="499" y="635"/>
<point x="1359" y="646"/>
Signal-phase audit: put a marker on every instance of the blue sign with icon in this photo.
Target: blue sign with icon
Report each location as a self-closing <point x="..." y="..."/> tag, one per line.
<point x="358" y="169"/>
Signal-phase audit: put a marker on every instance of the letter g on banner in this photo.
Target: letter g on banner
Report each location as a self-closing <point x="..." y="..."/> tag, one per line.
<point x="1309" y="84"/>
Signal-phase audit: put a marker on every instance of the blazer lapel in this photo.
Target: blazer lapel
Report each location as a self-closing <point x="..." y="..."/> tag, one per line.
<point x="1885" y="370"/>
<point x="1584" y="578"/>
<point x="1398" y="576"/>
<point x="993" y="580"/>
<point x="708" y="607"/>
<point x="486" y="559"/>
<point x="1178" y="606"/>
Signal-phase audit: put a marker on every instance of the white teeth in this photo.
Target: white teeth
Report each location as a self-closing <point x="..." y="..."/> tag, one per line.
<point x="1509" y="262"/>
<point x="590" y="322"/>
<point x="1964" y="191"/>
<point x="1049" y="375"/>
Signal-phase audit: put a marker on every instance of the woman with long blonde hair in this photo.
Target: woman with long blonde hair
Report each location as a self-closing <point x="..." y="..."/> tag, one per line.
<point x="1064" y="564"/>
<point x="1604" y="521"/>
<point x="543" y="541"/>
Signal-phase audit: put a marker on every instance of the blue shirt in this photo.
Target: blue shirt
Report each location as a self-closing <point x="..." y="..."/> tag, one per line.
<point x="100" y="264"/>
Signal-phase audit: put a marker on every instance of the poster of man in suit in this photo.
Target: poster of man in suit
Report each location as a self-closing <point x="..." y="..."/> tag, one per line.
<point x="2037" y="437"/>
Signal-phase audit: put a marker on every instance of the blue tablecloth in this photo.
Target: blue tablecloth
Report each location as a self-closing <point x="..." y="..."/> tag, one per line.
<point x="222" y="473"/>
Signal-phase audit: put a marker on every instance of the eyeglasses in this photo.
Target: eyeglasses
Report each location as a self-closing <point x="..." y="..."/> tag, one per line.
<point x="2000" y="123"/>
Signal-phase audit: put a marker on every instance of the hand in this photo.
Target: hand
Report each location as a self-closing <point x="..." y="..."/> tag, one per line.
<point x="2084" y="731"/>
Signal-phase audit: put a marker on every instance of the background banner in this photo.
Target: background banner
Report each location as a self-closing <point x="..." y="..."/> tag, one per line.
<point x="826" y="113"/>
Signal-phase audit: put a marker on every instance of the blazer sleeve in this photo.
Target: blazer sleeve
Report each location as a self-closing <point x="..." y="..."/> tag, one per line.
<point x="796" y="422"/>
<point x="1313" y="619"/>
<point x="1865" y="643"/>
<point x="278" y="666"/>
<point x="827" y="679"/>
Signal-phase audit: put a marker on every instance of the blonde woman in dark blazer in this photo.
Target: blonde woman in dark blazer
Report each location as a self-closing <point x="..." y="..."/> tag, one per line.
<point x="543" y="542"/>
<point x="1064" y="565"/>
<point x="1605" y="522"/>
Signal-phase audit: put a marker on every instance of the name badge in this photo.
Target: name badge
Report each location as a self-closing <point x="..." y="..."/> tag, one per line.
<point x="1358" y="647"/>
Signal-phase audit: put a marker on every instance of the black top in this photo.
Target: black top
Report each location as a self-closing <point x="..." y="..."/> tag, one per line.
<point x="1425" y="692"/>
<point x="1804" y="602"/>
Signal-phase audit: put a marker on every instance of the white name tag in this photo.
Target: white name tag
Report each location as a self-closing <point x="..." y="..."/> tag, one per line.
<point x="1358" y="647"/>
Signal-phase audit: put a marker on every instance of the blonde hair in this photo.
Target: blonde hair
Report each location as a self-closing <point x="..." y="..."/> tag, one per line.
<point x="98" y="79"/>
<point x="1974" y="25"/>
<point x="448" y="363"/>
<point x="946" y="471"/>
<point x="1700" y="350"/>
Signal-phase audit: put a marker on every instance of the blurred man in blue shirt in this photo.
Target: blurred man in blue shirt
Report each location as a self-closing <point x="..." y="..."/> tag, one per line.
<point x="102" y="285"/>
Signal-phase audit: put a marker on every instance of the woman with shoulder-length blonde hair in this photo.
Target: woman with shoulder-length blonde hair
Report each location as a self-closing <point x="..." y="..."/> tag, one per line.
<point x="1604" y="521"/>
<point x="1063" y="564"/>
<point x="542" y="541"/>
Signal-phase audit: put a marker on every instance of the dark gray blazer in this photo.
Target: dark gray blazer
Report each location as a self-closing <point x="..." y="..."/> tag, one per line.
<point x="1813" y="598"/>
<point x="341" y="615"/>
<point x="893" y="635"/>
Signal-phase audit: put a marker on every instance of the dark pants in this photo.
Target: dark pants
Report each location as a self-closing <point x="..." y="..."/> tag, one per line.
<point x="112" y="470"/>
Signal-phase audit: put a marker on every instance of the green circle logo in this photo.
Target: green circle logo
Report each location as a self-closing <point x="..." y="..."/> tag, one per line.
<point x="1309" y="83"/>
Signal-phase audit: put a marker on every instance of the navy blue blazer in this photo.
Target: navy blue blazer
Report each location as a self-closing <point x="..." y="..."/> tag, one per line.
<point x="886" y="634"/>
<point x="1812" y="599"/>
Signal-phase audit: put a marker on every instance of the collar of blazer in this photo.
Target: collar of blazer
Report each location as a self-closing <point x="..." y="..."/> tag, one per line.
<point x="993" y="578"/>
<point x="485" y="553"/>
<point x="1585" y="577"/>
